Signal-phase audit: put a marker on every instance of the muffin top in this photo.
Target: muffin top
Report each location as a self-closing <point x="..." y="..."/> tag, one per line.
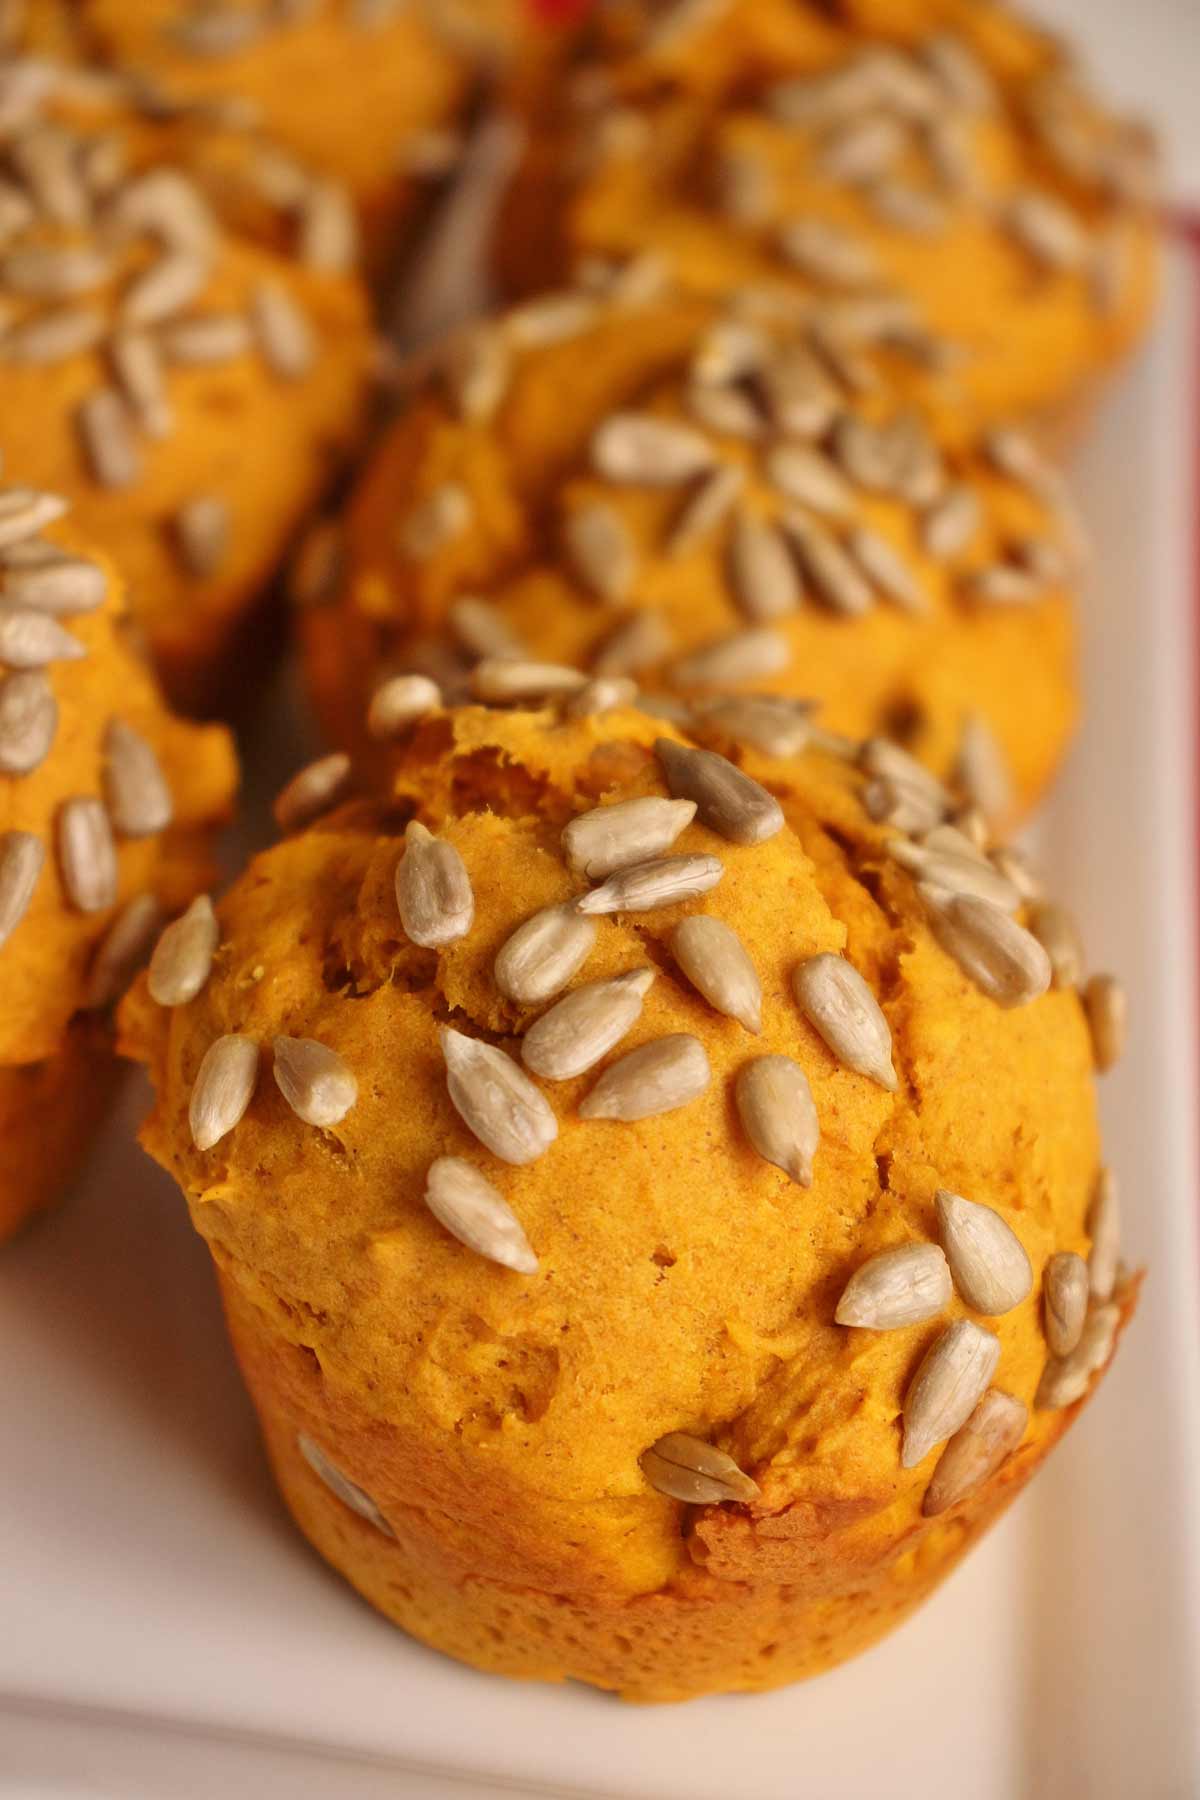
<point x="942" y="149"/>
<point x="762" y="495"/>
<point x="149" y="343"/>
<point x="363" y="88"/>
<point x="576" y="1180"/>
<point x="107" y="802"/>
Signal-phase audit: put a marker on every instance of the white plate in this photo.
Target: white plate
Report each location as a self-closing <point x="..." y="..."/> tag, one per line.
<point x="164" y="1633"/>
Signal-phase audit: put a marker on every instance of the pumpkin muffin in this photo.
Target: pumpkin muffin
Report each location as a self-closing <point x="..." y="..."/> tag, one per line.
<point x="944" y="150"/>
<point x="708" y="498"/>
<point x="108" y="806"/>
<point x="373" y="91"/>
<point x="656" y="1216"/>
<point x="189" y="388"/>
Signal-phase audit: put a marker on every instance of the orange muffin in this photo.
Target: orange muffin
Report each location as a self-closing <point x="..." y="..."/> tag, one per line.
<point x="944" y="150"/>
<point x="372" y="91"/>
<point x="651" y="1209"/>
<point x="150" y="354"/>
<point x="108" y="806"/>
<point x="749" y="498"/>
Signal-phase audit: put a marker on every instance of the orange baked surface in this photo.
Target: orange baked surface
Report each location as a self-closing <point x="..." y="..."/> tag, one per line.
<point x="946" y="150"/>
<point x="108" y="809"/>
<point x="364" y="89"/>
<point x="151" y="348"/>
<point x="710" y="497"/>
<point x="486" y="1451"/>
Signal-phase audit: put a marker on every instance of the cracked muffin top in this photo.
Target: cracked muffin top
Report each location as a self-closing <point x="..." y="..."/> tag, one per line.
<point x="152" y="338"/>
<point x="742" y="496"/>
<point x="944" y="150"/>
<point x="108" y="803"/>
<point x="558" y="1133"/>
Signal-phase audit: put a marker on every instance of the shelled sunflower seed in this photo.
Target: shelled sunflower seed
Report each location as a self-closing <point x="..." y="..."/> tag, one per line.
<point x="22" y="857"/>
<point x="122" y="951"/>
<point x="1104" y="1229"/>
<point x="1107" y="1010"/>
<point x="658" y="1077"/>
<point x="1066" y="1379"/>
<point x="727" y="800"/>
<point x="686" y="1468"/>
<point x="585" y="1025"/>
<point x="779" y="1115"/>
<point x="717" y="964"/>
<point x="1003" y="959"/>
<point x="496" y="1100"/>
<point x="976" y="1451"/>
<point x="135" y="788"/>
<point x="987" y="1259"/>
<point x="223" y="1089"/>
<point x="951" y="1379"/>
<point x="433" y="889"/>
<point x="645" y="886"/>
<point x="462" y="1199"/>
<point x="182" y="959"/>
<point x="1065" y="1288"/>
<point x="904" y="1286"/>
<point x="341" y="1486"/>
<point x="317" y="789"/>
<point x="616" y="836"/>
<point x="841" y="1008"/>
<point x="399" y="702"/>
<point x="542" y="955"/>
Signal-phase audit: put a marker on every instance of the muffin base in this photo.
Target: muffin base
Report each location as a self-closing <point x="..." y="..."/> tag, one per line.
<point x="703" y="1633"/>
<point x="48" y="1113"/>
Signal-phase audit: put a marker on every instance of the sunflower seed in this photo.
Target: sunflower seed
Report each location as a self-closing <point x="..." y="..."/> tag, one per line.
<point x="495" y="1100"/>
<point x="897" y="458"/>
<point x="835" y="578"/>
<point x="183" y="956"/>
<point x="767" y="722"/>
<point x="649" y="452"/>
<point x="202" y="526"/>
<point x="283" y="332"/>
<point x="1018" y="871"/>
<point x="731" y="350"/>
<point x="1001" y="584"/>
<point x="223" y="1089"/>
<point x="983" y="770"/>
<point x="668" y="707"/>
<point x="908" y="208"/>
<point x="901" y="804"/>
<point x="58" y="584"/>
<point x="122" y="951"/>
<point x="614" y="837"/>
<point x="895" y="1288"/>
<point x="778" y="1114"/>
<point x="726" y="411"/>
<point x="29" y="639"/>
<point x="314" y="1080"/>
<point x="21" y="859"/>
<point x="477" y="368"/>
<point x="139" y="800"/>
<point x="657" y="1077"/>
<point x="482" y="629"/>
<point x="987" y="1259"/>
<point x="950" y="1381"/>
<point x="433" y="890"/>
<point x="206" y="341"/>
<point x="728" y="801"/>
<point x="108" y="440"/>
<point x="584" y="1026"/>
<point x="543" y="954"/>
<point x="957" y="874"/>
<point x="170" y="283"/>
<point x="880" y="756"/>
<point x="315" y="790"/>
<point x="686" y="1468"/>
<point x="601" y="552"/>
<point x="762" y="570"/>
<point x="663" y="881"/>
<point x="436" y="521"/>
<point x="1058" y="934"/>
<point x="87" y="855"/>
<point x="1066" y="1379"/>
<point x="328" y="229"/>
<point x="804" y="474"/>
<point x="743" y="188"/>
<point x="53" y="337"/>
<point x="964" y="79"/>
<point x="709" y="506"/>
<point x="744" y="656"/>
<point x="551" y="319"/>
<point x="1104" y="1229"/>
<point x="398" y="703"/>
<point x="862" y="149"/>
<point x="798" y="394"/>
<point x="1065" y="1289"/>
<point x="643" y="640"/>
<point x="951" y="840"/>
<point x="54" y="272"/>
<point x="165" y="204"/>
<point x="606" y="694"/>
<point x="343" y="1489"/>
<point x="465" y="1202"/>
<point x="25" y="511"/>
<point x="28" y="721"/>
<point x="998" y="955"/>
<point x="827" y="254"/>
<point x="976" y="1451"/>
<point x="886" y="569"/>
<point x="138" y="369"/>
<point x="1048" y="231"/>
<point x="715" y="961"/>
<point x="1107" y="1010"/>
<point x="500" y="680"/>
<point x="844" y="1012"/>
<point x="951" y="523"/>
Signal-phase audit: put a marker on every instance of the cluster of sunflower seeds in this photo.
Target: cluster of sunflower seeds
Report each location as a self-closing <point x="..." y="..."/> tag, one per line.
<point x="317" y="1083"/>
<point x="116" y="263"/>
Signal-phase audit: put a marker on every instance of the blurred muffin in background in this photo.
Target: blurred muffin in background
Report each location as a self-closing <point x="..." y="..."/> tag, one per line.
<point x="372" y="91"/>
<point x="108" y="807"/>
<point x="189" y="387"/>
<point x="945" y="150"/>
<point x="762" y="499"/>
<point x="660" y="1223"/>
